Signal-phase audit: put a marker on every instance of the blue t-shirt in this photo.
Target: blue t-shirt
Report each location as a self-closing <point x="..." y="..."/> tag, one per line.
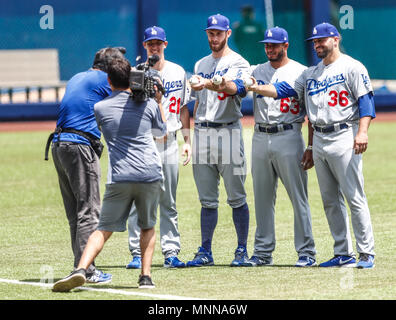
<point x="77" y="107"/>
<point x="128" y="129"/>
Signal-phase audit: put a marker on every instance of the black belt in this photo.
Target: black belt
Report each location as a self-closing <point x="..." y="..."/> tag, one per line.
<point x="274" y="129"/>
<point x="95" y="142"/>
<point x="331" y="128"/>
<point x="213" y="124"/>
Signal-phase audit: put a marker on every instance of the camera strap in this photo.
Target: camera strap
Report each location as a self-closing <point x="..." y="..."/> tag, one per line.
<point x="96" y="144"/>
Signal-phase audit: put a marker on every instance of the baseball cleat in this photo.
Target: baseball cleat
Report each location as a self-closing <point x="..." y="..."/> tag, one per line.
<point x="366" y="261"/>
<point x="173" y="262"/>
<point x="75" y="279"/>
<point x="136" y="263"/>
<point x="99" y="277"/>
<point x="305" y="261"/>
<point x="241" y="257"/>
<point x="340" y="261"/>
<point x="256" y="261"/>
<point x="202" y="258"/>
<point x="145" y="282"/>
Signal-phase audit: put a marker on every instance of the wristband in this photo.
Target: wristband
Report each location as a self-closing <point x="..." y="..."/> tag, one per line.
<point x="309" y="147"/>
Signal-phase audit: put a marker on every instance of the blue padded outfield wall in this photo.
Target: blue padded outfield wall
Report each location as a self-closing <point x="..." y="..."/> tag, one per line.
<point x="81" y="27"/>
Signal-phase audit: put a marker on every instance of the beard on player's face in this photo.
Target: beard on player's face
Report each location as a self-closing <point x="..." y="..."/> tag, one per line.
<point x="217" y="47"/>
<point x="324" y="47"/>
<point x="324" y="52"/>
<point x="278" y="57"/>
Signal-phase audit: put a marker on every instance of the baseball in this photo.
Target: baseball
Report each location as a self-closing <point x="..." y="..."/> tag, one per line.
<point x="217" y="79"/>
<point x="194" y="80"/>
<point x="247" y="82"/>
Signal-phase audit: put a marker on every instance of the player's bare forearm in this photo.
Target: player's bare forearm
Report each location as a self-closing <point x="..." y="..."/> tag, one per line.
<point x="266" y="90"/>
<point x="310" y="133"/>
<point x="361" y="139"/>
<point x="307" y="160"/>
<point x="227" y="86"/>
<point x="185" y="120"/>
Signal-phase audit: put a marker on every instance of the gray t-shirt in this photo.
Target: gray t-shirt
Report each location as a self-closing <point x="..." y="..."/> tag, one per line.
<point x="128" y="129"/>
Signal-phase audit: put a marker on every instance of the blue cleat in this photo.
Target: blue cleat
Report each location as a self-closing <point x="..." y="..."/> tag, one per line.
<point x="202" y="258"/>
<point x="305" y="261"/>
<point x="241" y="257"/>
<point x="99" y="277"/>
<point x="173" y="262"/>
<point x="340" y="261"/>
<point x="136" y="263"/>
<point x="366" y="261"/>
<point x="256" y="261"/>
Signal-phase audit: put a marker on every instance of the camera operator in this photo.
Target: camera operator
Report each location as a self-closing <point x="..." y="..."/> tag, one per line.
<point x="76" y="149"/>
<point x="178" y="118"/>
<point x="135" y="172"/>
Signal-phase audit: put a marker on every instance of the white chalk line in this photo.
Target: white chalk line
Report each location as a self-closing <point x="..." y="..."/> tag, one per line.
<point x="112" y="291"/>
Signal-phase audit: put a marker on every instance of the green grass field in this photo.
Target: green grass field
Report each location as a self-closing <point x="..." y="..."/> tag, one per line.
<point x="35" y="241"/>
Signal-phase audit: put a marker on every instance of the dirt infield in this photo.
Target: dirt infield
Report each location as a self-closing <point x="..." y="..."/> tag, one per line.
<point x="50" y="125"/>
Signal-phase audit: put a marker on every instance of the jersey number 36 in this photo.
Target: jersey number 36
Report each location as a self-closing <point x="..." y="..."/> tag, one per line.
<point x="338" y="98"/>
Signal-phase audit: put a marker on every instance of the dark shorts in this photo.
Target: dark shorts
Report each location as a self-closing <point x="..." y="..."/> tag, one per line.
<point x="117" y="202"/>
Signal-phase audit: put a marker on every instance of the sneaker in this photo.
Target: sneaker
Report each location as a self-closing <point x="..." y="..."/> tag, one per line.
<point x="256" y="261"/>
<point x="75" y="279"/>
<point x="99" y="277"/>
<point x="241" y="257"/>
<point x="202" y="258"/>
<point x="305" y="261"/>
<point x="145" y="282"/>
<point x="136" y="263"/>
<point x="173" y="262"/>
<point x="366" y="261"/>
<point x="340" y="261"/>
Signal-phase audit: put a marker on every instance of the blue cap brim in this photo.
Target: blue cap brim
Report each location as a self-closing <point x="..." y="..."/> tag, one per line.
<point x="317" y="37"/>
<point x="154" y="38"/>
<point x="216" y="28"/>
<point x="273" y="41"/>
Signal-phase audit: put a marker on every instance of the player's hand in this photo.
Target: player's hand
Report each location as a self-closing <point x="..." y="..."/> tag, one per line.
<point x="253" y="86"/>
<point x="307" y="160"/>
<point x="186" y="152"/>
<point x="360" y="143"/>
<point x="218" y="87"/>
<point x="198" y="86"/>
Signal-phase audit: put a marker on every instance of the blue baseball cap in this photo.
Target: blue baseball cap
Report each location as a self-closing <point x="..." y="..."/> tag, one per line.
<point x="324" y="30"/>
<point x="154" y="33"/>
<point x="218" y="22"/>
<point x="275" y="35"/>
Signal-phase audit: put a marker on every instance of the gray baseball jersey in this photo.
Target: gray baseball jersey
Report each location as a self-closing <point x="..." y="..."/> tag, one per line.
<point x="214" y="106"/>
<point x="331" y="92"/>
<point x="331" y="96"/>
<point x="177" y="95"/>
<point x="278" y="155"/>
<point x="270" y="111"/>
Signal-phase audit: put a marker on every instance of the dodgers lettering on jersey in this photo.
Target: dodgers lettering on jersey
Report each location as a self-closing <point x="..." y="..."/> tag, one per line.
<point x="269" y="111"/>
<point x="218" y="106"/>
<point x="331" y="92"/>
<point x="177" y="94"/>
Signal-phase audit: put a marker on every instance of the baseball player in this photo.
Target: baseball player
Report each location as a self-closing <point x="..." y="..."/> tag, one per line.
<point x="176" y="112"/>
<point x="277" y="150"/>
<point x="339" y="99"/>
<point x="218" y="146"/>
